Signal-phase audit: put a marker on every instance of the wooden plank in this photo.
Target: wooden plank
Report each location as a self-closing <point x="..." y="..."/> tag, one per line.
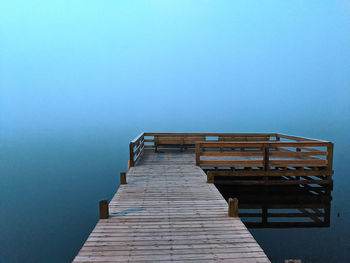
<point x="330" y="148"/>
<point x="211" y="134"/>
<point x="231" y="144"/>
<point x="253" y="144"/>
<point x="321" y="173"/>
<point x="232" y="162"/>
<point x="297" y="138"/>
<point x="232" y="153"/>
<point x="298" y="154"/>
<point x="303" y="162"/>
<point x="308" y="149"/>
<point x="168" y="213"/>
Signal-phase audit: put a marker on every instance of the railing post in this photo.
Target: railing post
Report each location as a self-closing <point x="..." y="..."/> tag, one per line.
<point x="278" y="138"/>
<point x="122" y="178"/>
<point x="198" y="152"/>
<point x="131" y="149"/>
<point x="104" y="210"/>
<point x="155" y="141"/>
<point x="233" y="207"/>
<point x="266" y="157"/>
<point x="330" y="148"/>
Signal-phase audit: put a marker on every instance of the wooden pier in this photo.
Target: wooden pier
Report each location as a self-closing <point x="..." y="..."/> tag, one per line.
<point x="248" y="158"/>
<point x="167" y="212"/>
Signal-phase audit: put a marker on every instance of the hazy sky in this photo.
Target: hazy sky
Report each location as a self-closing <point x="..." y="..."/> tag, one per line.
<point x="80" y="79"/>
<point x="173" y="65"/>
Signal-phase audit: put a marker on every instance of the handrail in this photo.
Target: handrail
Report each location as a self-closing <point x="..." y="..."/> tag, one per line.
<point x="135" y="154"/>
<point x="175" y="134"/>
<point x="297" y="138"/>
<point x="171" y="140"/>
<point x="269" y="143"/>
<point x="137" y="138"/>
<point x="267" y="148"/>
<point x="225" y="154"/>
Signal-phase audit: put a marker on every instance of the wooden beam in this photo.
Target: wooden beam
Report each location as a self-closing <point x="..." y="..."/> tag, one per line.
<point x="266" y="158"/>
<point x="330" y="148"/>
<point x="131" y="152"/>
<point x="233" y="207"/>
<point x="122" y="178"/>
<point x="198" y="154"/>
<point x="104" y="210"/>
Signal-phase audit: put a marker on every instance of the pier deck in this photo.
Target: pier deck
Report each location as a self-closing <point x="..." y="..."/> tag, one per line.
<point x="245" y="158"/>
<point x="170" y="210"/>
<point x="168" y="213"/>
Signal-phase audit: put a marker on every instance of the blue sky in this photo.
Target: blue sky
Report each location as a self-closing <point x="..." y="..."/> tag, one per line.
<point x="173" y="65"/>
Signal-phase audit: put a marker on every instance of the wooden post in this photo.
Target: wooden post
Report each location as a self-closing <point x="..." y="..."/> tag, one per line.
<point x="210" y="177"/>
<point x="131" y="150"/>
<point x="128" y="165"/>
<point x="233" y="207"/>
<point x="266" y="157"/>
<point x="155" y="141"/>
<point x="104" y="211"/>
<point x="277" y="139"/>
<point x="330" y="147"/>
<point x="122" y="178"/>
<point x="198" y="152"/>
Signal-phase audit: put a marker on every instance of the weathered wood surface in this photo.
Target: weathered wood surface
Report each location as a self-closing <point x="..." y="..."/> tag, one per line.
<point x="168" y="156"/>
<point x="168" y="213"/>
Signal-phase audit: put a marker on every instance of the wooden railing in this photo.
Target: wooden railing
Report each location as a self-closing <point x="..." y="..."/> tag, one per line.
<point x="176" y="140"/>
<point x="136" y="147"/>
<point x="233" y="150"/>
<point x="265" y="155"/>
<point x="184" y="140"/>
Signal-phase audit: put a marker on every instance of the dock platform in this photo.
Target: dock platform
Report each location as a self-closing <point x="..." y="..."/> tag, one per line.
<point x="168" y="212"/>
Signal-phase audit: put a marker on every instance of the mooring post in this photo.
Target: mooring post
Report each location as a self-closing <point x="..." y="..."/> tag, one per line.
<point x="122" y="178"/>
<point x="233" y="207"/>
<point x="104" y="210"/>
<point x="210" y="177"/>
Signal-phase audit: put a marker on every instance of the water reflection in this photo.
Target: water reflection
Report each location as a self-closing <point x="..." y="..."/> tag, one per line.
<point x="281" y="206"/>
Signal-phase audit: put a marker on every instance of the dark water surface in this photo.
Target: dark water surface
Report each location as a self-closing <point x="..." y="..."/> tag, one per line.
<point x="51" y="185"/>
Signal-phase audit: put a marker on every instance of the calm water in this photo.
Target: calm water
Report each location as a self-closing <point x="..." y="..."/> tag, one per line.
<point x="80" y="79"/>
<point x="51" y="185"/>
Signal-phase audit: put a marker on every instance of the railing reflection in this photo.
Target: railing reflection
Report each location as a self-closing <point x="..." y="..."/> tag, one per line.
<point x="281" y="206"/>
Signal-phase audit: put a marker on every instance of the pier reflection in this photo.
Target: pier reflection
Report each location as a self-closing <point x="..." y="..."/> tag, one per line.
<point x="281" y="206"/>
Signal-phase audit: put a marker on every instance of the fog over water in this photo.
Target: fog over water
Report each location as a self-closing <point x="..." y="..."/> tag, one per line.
<point x="80" y="79"/>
